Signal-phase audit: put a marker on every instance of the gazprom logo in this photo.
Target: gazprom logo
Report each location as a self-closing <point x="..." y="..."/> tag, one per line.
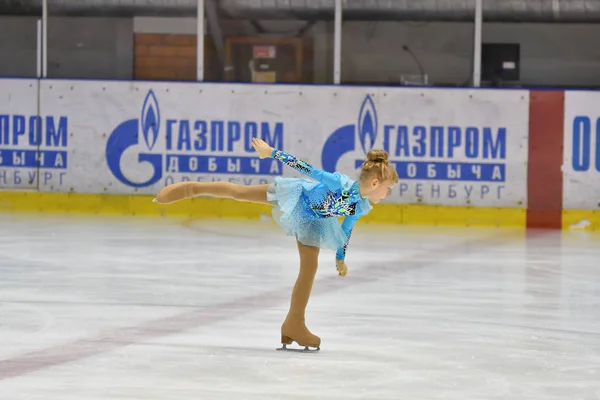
<point x="424" y="150"/>
<point x="126" y="135"/>
<point x="185" y="149"/>
<point x="343" y="140"/>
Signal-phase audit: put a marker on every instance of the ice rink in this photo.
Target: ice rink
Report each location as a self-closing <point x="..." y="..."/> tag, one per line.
<point x="98" y="308"/>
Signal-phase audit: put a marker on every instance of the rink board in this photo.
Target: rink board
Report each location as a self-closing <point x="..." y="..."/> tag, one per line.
<point x="450" y="147"/>
<point x="581" y="161"/>
<point x="462" y="155"/>
<point x="581" y="164"/>
<point x="22" y="135"/>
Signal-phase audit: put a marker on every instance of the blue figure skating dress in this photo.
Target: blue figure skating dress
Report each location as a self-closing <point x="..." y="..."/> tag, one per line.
<point x="309" y="210"/>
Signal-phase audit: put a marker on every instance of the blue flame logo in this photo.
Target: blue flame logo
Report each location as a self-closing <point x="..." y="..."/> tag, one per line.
<point x="150" y="119"/>
<point x="367" y="124"/>
<point x="343" y="139"/>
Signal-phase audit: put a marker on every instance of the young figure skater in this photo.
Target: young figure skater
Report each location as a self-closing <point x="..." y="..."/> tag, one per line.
<point x="307" y="210"/>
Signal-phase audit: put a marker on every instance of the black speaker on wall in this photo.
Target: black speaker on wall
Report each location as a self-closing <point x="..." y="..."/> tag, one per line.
<point x="500" y="62"/>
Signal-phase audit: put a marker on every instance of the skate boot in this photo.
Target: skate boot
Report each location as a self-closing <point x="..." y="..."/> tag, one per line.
<point x="297" y="331"/>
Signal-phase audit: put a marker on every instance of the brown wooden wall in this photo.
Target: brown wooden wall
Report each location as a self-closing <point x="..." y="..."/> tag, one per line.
<point x="171" y="57"/>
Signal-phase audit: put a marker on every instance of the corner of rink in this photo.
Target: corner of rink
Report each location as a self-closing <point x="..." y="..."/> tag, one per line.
<point x="110" y="204"/>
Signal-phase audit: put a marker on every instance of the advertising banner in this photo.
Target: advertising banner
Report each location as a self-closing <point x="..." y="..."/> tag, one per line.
<point x="450" y="147"/>
<point x="30" y="143"/>
<point x="581" y="164"/>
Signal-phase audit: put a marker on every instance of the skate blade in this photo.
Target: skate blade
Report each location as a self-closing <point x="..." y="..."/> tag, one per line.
<point x="306" y="349"/>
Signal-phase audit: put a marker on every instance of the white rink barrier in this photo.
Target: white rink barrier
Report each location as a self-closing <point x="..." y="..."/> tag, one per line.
<point x="581" y="166"/>
<point x="450" y="146"/>
<point x="24" y="135"/>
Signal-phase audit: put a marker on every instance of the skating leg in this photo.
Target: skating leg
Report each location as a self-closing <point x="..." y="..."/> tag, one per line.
<point x="294" y="328"/>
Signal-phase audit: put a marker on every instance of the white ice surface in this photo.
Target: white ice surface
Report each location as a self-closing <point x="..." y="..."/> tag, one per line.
<point x="98" y="308"/>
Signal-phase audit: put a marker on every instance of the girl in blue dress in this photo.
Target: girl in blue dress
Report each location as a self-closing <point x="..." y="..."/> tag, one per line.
<point x="307" y="210"/>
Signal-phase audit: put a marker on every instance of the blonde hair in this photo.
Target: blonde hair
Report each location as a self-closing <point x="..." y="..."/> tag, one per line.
<point x="377" y="165"/>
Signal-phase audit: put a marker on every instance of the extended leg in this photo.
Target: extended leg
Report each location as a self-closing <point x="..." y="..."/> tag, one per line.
<point x="187" y="190"/>
<point x="294" y="328"/>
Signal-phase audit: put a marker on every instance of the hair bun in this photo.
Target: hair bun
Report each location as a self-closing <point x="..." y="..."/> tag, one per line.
<point x="378" y="156"/>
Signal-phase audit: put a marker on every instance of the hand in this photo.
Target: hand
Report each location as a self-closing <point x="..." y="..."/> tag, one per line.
<point x="262" y="148"/>
<point x="341" y="267"/>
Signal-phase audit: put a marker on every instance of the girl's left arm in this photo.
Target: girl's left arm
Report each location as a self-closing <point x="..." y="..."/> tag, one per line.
<point x="332" y="181"/>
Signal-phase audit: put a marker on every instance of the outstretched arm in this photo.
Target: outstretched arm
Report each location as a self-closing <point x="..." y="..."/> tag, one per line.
<point x="332" y="181"/>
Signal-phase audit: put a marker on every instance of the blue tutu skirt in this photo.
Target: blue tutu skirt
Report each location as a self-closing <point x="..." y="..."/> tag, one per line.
<point x="292" y="212"/>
